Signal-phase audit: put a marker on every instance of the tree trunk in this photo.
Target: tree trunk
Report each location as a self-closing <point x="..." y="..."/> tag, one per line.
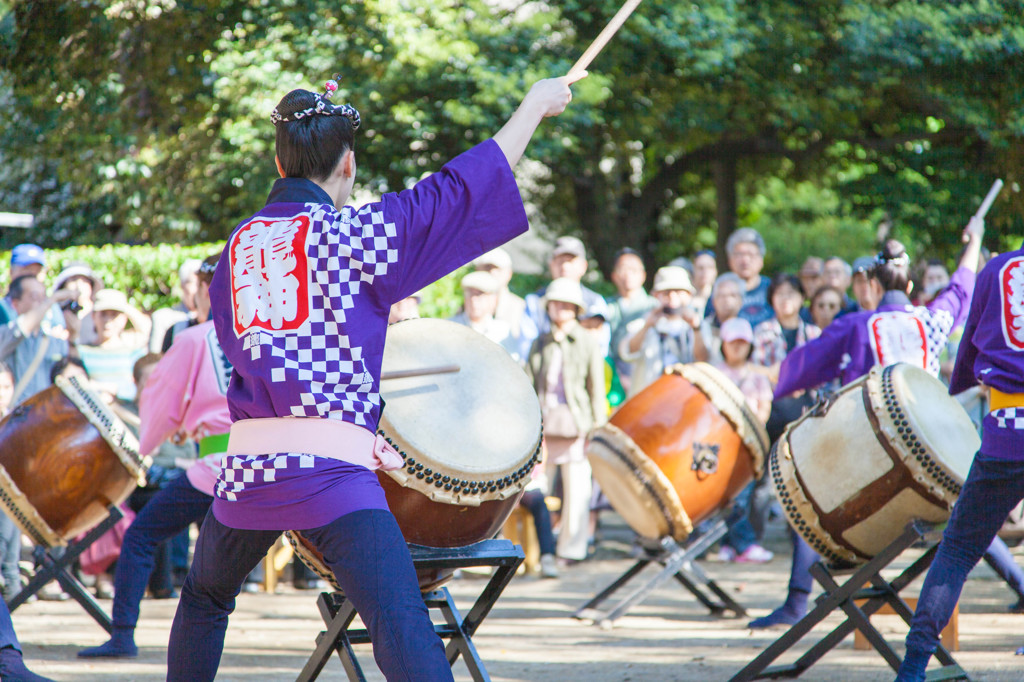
<point x="724" y="170"/>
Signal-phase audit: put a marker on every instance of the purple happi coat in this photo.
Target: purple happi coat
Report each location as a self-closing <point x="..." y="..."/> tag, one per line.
<point x="992" y="351"/>
<point x="896" y="332"/>
<point x="300" y="302"/>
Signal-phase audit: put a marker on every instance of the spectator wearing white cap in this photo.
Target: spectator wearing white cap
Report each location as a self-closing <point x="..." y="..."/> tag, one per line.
<point x="511" y="308"/>
<point x="479" y="301"/>
<point x="169" y="322"/>
<point x="631" y="303"/>
<point x="665" y="336"/>
<point x="745" y="250"/>
<point x="567" y="370"/>
<point x="569" y="260"/>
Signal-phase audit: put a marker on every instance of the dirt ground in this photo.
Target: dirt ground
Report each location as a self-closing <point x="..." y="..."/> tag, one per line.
<point x="531" y="636"/>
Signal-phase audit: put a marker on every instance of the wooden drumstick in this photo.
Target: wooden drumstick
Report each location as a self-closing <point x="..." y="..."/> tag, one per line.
<point x="603" y="37"/>
<point x="422" y="371"/>
<point x="989" y="198"/>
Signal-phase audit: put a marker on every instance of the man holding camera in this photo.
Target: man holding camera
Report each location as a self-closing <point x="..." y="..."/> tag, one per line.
<point x="665" y="336"/>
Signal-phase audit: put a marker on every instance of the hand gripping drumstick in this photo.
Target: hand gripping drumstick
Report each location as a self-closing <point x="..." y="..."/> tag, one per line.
<point x="603" y="37"/>
<point x="423" y="371"/>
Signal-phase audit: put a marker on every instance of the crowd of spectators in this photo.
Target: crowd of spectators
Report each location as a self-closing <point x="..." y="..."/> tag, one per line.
<point x="584" y="353"/>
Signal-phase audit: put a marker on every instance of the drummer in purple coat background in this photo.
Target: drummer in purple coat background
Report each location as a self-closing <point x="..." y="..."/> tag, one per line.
<point x="848" y="348"/>
<point x="991" y="353"/>
<point x="301" y="299"/>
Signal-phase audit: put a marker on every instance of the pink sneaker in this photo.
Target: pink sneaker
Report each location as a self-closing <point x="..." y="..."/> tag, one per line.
<point x="727" y="554"/>
<point x="755" y="554"/>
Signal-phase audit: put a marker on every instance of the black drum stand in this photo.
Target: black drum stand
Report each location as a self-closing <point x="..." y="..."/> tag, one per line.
<point x="677" y="562"/>
<point x="338" y="613"/>
<point x="54" y="565"/>
<point x="845" y="597"/>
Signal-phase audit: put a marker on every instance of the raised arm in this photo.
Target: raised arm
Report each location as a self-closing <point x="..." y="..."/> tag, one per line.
<point x="973" y="233"/>
<point x="547" y="97"/>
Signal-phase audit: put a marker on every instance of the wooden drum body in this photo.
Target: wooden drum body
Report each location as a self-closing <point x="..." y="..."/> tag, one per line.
<point x="469" y="439"/>
<point x="64" y="459"/>
<point x="678" y="451"/>
<point x="889" y="448"/>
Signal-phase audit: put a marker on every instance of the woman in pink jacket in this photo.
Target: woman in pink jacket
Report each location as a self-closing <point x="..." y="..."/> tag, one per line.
<point x="185" y="394"/>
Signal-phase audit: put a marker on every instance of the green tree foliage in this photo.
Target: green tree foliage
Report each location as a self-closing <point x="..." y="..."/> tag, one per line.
<point x="147" y="120"/>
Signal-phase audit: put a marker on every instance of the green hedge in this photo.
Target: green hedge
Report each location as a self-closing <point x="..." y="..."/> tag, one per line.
<point x="148" y="274"/>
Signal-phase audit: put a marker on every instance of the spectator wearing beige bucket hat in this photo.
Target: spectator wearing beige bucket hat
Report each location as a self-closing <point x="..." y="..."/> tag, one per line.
<point x="111" y="357"/>
<point x="567" y="370"/>
<point x="665" y="336"/>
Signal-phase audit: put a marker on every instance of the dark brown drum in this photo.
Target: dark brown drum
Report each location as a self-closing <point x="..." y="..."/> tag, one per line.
<point x="470" y="439"/>
<point x="64" y="459"/>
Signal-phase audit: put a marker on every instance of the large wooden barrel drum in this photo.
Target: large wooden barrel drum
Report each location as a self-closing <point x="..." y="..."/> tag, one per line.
<point x="469" y="439"/>
<point x="64" y="459"/>
<point x="889" y="448"/>
<point x="678" y="451"/>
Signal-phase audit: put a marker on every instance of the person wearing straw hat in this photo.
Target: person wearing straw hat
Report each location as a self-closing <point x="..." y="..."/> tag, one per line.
<point x="567" y="370"/>
<point x="665" y="336"/>
<point x="110" y="358"/>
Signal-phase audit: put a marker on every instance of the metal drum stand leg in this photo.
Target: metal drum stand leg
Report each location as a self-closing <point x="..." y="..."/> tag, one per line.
<point x="54" y="566"/>
<point x="338" y="613"/>
<point x="845" y="596"/>
<point x="678" y="563"/>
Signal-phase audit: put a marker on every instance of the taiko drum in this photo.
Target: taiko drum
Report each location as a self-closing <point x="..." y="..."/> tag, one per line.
<point x="678" y="451"/>
<point x="64" y="459"/>
<point x="469" y="439"/>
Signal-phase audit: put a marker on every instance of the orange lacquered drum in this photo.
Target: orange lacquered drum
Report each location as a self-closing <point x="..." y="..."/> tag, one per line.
<point x="888" y="448"/>
<point x="469" y="439"/>
<point x="678" y="451"/>
<point x="64" y="459"/>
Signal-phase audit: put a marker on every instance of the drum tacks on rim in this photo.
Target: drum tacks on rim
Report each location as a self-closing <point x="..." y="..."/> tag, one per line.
<point x="469" y="439"/>
<point x="889" y="448"/>
<point x="678" y="451"/>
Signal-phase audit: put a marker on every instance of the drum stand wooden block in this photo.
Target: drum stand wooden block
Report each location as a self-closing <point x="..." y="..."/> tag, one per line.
<point x="54" y="566"/>
<point x="338" y="613"/>
<point x="678" y="563"/>
<point x="858" y="602"/>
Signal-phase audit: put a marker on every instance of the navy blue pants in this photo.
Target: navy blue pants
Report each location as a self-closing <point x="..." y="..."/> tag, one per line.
<point x="175" y="507"/>
<point x="992" y="490"/>
<point x="369" y="557"/>
<point x="533" y="500"/>
<point x="7" y="636"/>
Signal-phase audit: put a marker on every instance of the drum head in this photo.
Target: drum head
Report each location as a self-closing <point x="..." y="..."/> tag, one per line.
<point x="638" y="490"/>
<point x="934" y="417"/>
<point x="467" y="436"/>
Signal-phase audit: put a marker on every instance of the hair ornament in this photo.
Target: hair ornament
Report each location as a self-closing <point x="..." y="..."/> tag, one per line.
<point x="322" y="106"/>
<point x="208" y="268"/>
<point x="882" y="259"/>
